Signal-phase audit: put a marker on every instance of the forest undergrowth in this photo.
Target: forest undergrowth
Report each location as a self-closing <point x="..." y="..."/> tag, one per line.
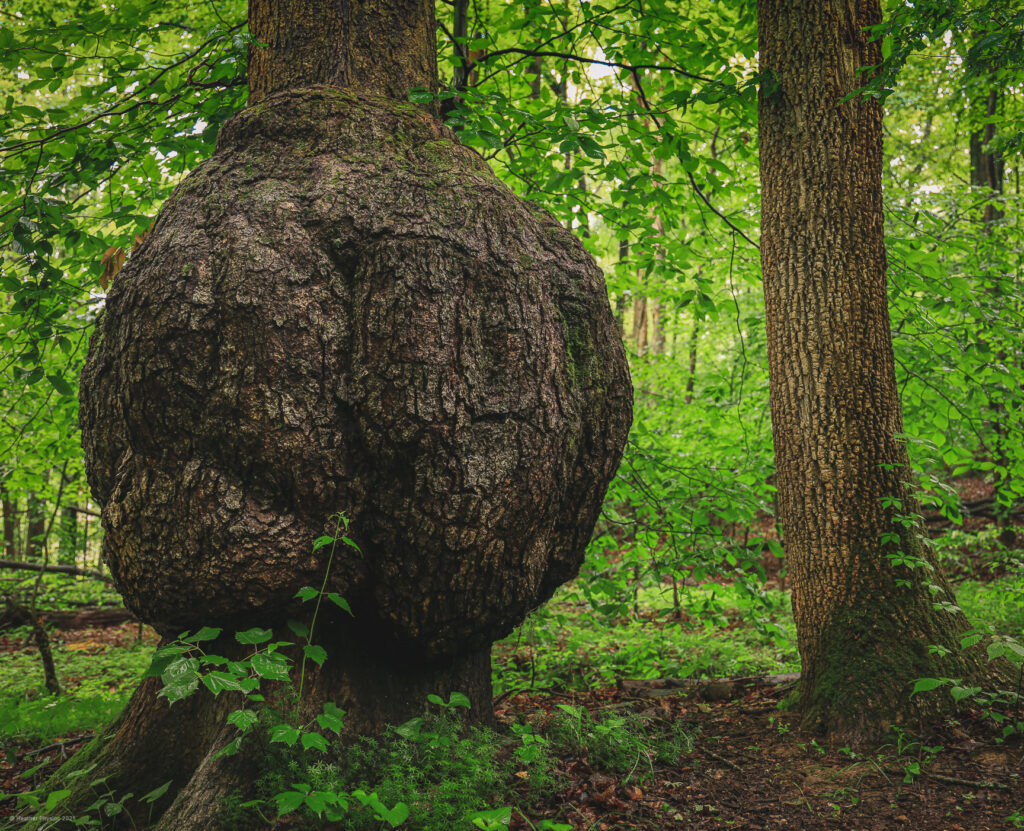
<point x="671" y="714"/>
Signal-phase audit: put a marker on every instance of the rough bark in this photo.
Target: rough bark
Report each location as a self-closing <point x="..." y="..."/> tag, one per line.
<point x="864" y="625"/>
<point x="344" y="310"/>
<point x="372" y="47"/>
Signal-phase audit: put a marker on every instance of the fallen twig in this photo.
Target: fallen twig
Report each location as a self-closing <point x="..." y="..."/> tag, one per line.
<point x="57" y="746"/>
<point x="18" y="565"/>
<point x="722" y="759"/>
<point x="971" y="783"/>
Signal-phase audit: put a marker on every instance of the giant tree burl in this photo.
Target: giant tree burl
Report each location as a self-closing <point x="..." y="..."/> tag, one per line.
<point x="345" y="310"/>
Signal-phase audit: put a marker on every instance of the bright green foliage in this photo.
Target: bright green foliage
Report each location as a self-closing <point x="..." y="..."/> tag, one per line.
<point x="563" y="647"/>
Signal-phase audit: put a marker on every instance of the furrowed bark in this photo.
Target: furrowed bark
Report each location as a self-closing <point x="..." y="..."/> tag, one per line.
<point x="864" y="625"/>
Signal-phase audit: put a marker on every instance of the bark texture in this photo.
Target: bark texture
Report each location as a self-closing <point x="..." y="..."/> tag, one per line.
<point x="344" y="310"/>
<point x="864" y="625"/>
<point x="373" y="47"/>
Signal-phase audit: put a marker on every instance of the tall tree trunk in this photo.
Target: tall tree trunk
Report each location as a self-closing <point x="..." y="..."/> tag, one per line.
<point x="691" y="374"/>
<point x="865" y="615"/>
<point x="640" y="324"/>
<point x="68" y="535"/>
<point x="35" y="530"/>
<point x="620" y="300"/>
<point x="10" y="509"/>
<point x="987" y="166"/>
<point x="987" y="172"/>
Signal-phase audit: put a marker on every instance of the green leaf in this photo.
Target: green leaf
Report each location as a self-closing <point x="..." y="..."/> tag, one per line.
<point x="284" y="733"/>
<point x="207" y="633"/>
<point x="332" y="718"/>
<point x="395" y="816"/>
<point x="162" y="659"/>
<point x="314" y="740"/>
<point x="244" y="720"/>
<point x="298" y="628"/>
<point x="420" y="96"/>
<point x="320" y="542"/>
<point x="316" y="802"/>
<point x="179" y="690"/>
<point x="156" y="793"/>
<point x="411" y="729"/>
<point x="926" y="684"/>
<point x="54" y="798"/>
<point x="306" y="593"/>
<point x="289" y="801"/>
<point x="340" y="602"/>
<point x="272" y="666"/>
<point x="254" y="636"/>
<point x="217" y="682"/>
<point x="457" y="699"/>
<point x="59" y="384"/>
<point x="492" y="140"/>
<point x="315" y="653"/>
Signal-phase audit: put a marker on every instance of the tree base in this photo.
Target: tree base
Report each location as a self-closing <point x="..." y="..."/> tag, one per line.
<point x="152" y="743"/>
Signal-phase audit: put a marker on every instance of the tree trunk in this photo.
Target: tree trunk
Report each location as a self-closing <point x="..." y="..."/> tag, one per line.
<point x="987" y="164"/>
<point x="343" y="311"/>
<point x="987" y="172"/>
<point x="369" y="47"/>
<point x="35" y="531"/>
<point x="864" y="611"/>
<point x="691" y="374"/>
<point x="68" y="543"/>
<point x="10" y="510"/>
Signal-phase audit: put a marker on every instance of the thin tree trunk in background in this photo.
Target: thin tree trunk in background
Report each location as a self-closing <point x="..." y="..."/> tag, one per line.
<point x="987" y="166"/>
<point x="987" y="172"/>
<point x="35" y="529"/>
<point x="42" y="642"/>
<point x="691" y="375"/>
<point x="640" y="324"/>
<point x="460" y="30"/>
<point x="10" y="509"/>
<point x="657" y="334"/>
<point x="68" y="536"/>
<point x="864" y="623"/>
<point x="620" y="300"/>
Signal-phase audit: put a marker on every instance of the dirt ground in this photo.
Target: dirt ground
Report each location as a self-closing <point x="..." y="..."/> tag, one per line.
<point x="752" y="768"/>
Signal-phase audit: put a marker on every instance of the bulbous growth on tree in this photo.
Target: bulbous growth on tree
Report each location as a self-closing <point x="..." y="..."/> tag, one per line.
<point x="344" y="310"/>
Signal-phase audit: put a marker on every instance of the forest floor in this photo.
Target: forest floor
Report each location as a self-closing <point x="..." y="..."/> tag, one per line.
<point x="739" y="761"/>
<point x="750" y="767"/>
<point x="632" y="729"/>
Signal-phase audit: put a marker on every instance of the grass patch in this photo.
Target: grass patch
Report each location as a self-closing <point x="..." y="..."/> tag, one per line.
<point x="96" y="679"/>
<point x="995" y="604"/>
<point x="721" y="632"/>
<point x="42" y="719"/>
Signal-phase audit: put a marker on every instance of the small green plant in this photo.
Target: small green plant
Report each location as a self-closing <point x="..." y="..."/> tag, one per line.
<point x="615" y="743"/>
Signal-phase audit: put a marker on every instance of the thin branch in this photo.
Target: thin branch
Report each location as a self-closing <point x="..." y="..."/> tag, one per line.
<point x="569" y="56"/>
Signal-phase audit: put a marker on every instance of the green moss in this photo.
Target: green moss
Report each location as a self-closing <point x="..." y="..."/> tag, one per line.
<point x="871" y="654"/>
